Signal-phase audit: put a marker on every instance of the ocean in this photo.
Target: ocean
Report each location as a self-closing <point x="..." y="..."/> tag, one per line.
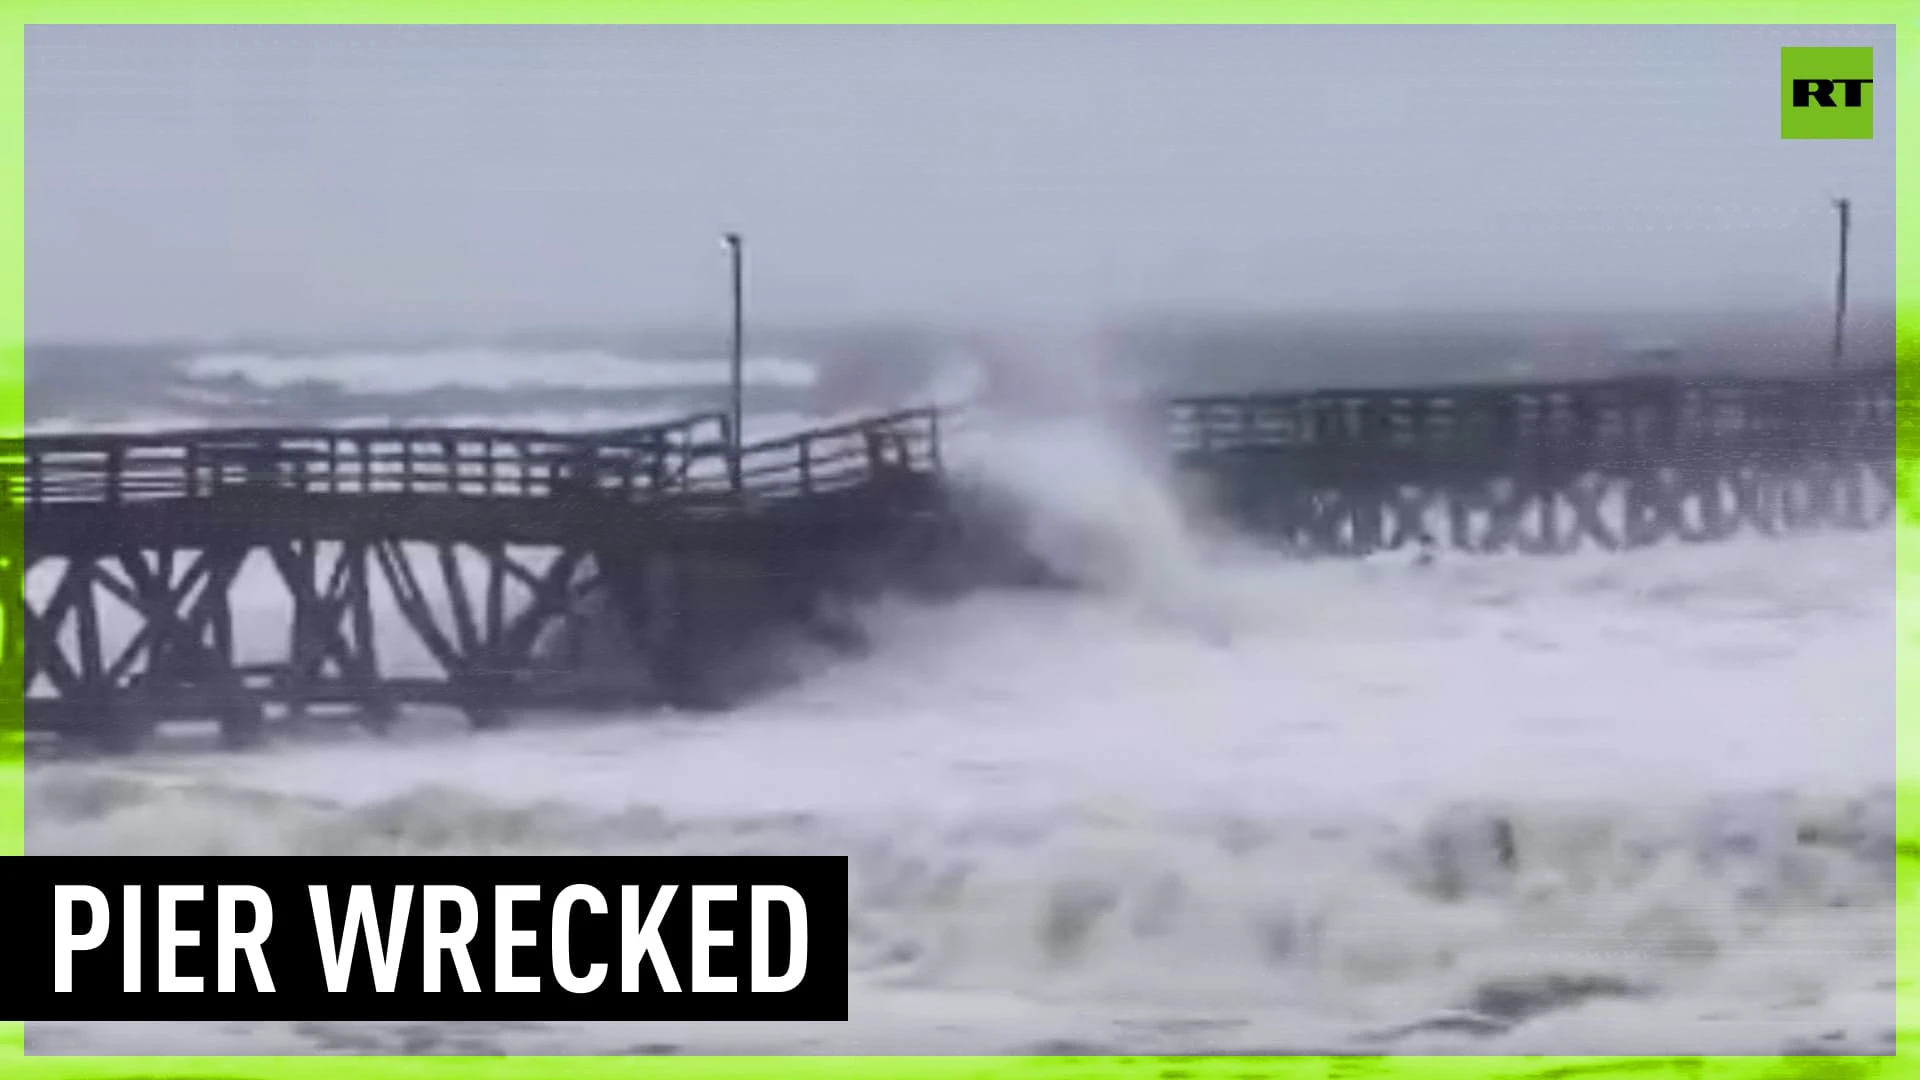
<point x="1225" y="802"/>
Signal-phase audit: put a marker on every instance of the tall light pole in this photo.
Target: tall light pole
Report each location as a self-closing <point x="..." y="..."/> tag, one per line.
<point x="736" y="370"/>
<point x="1845" y="206"/>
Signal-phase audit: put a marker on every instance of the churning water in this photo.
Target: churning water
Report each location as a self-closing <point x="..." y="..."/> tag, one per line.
<point x="1223" y="802"/>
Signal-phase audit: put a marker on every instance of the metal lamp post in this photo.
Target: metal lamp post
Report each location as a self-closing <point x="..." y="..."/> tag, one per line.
<point x="736" y="371"/>
<point x="1845" y="206"/>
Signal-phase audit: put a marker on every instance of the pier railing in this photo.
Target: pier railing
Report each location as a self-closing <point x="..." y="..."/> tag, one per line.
<point x="1592" y="424"/>
<point x="125" y="468"/>
<point x="845" y="455"/>
<point x="1331" y="437"/>
<point x="691" y="456"/>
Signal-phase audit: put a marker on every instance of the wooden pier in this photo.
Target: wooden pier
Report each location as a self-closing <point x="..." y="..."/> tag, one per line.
<point x="695" y="551"/>
<point x="499" y="549"/>
<point x="1548" y="468"/>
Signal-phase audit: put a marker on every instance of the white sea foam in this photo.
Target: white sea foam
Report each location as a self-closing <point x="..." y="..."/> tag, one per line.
<point x="130" y="423"/>
<point x="377" y="372"/>
<point x="1606" y="803"/>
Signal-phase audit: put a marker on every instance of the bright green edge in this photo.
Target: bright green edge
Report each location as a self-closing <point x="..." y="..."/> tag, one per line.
<point x="1906" y="15"/>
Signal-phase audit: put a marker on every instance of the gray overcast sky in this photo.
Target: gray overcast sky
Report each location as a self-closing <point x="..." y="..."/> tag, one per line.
<point x="207" y="181"/>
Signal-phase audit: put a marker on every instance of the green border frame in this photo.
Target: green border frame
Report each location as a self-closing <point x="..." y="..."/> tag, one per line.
<point x="1902" y="14"/>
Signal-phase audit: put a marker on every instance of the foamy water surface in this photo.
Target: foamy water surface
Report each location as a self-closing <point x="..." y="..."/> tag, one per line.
<point x="1228" y="802"/>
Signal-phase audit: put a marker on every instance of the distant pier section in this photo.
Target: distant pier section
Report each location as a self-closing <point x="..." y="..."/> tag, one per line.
<point x="492" y="552"/>
<point x="1548" y="468"/>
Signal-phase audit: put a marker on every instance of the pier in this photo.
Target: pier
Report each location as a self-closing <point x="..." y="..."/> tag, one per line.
<point x="488" y="545"/>
<point x="496" y="548"/>
<point x="1547" y="468"/>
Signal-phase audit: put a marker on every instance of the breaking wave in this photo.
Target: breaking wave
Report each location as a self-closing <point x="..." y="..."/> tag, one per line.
<point x="1485" y="921"/>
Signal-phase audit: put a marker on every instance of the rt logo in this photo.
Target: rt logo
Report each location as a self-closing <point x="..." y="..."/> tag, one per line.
<point x="1826" y="93"/>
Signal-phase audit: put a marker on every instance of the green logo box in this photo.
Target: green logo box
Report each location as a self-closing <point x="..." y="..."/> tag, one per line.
<point x="1826" y="93"/>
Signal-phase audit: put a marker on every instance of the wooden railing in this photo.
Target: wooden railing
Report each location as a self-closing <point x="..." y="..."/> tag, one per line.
<point x="1597" y="423"/>
<point x="692" y="456"/>
<point x="833" y="458"/>
<point x="1583" y="425"/>
<point x="123" y="468"/>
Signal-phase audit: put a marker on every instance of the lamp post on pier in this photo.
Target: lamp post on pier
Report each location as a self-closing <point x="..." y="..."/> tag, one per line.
<point x="736" y="369"/>
<point x="1845" y="206"/>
